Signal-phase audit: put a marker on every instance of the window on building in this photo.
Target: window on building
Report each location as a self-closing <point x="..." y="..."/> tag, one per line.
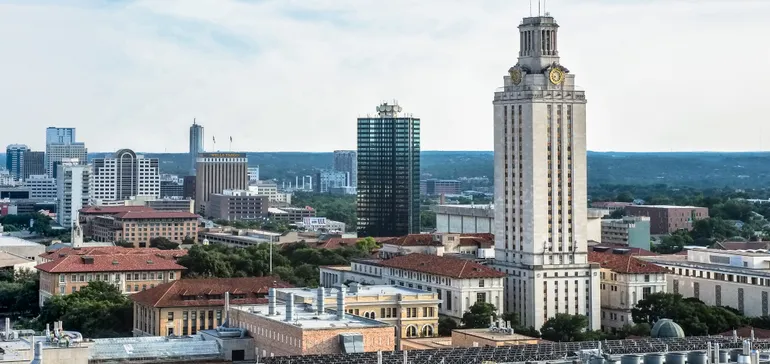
<point x="646" y="277"/>
<point x="481" y="283"/>
<point x="171" y="316"/>
<point x="481" y="297"/>
<point x="646" y="291"/>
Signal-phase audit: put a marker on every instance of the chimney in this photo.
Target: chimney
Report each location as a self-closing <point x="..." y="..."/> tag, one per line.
<point x="227" y="307"/>
<point x="38" y="353"/>
<point x="290" y="307"/>
<point x="341" y="302"/>
<point x="271" y="301"/>
<point x="320" y="300"/>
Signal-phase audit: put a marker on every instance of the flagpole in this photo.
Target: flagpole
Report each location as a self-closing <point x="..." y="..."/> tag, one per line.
<point x="231" y="144"/>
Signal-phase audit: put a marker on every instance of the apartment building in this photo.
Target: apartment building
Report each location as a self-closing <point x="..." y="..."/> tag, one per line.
<point x="288" y="328"/>
<point x="187" y="306"/>
<point x="733" y="278"/>
<point x="458" y="283"/>
<point x="270" y="189"/>
<point x="631" y="231"/>
<point x="234" y="205"/>
<point x="68" y="270"/>
<point x="139" y="227"/>
<point x="125" y="175"/>
<point x="666" y="219"/>
<point x="413" y="312"/>
<point x="14" y="160"/>
<point x="73" y="190"/>
<point x="625" y="280"/>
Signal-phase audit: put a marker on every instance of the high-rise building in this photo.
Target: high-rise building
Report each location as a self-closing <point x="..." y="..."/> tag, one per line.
<point x="217" y="172"/>
<point x="125" y="175"/>
<point x="347" y="161"/>
<point x="253" y="175"/>
<point x="72" y="190"/>
<point x="54" y="135"/>
<point x="196" y="145"/>
<point x="388" y="201"/>
<point x="34" y="163"/>
<point x="171" y="189"/>
<point x="540" y="184"/>
<point x="14" y="160"/>
<point x="41" y="187"/>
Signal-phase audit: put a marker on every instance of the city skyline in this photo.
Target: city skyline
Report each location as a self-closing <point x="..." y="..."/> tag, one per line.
<point x="142" y="66"/>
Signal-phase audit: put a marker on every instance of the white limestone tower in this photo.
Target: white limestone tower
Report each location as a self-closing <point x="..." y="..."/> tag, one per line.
<point x="540" y="184"/>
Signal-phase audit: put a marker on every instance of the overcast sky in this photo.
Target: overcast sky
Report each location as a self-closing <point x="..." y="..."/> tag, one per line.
<point x="293" y="75"/>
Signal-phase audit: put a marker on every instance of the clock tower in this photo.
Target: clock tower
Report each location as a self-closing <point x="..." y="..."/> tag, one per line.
<point x="540" y="184"/>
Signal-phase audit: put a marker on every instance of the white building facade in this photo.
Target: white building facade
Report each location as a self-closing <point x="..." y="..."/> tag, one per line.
<point x="125" y="175"/>
<point x="733" y="278"/>
<point x="41" y="187"/>
<point x="57" y="153"/>
<point x="72" y="191"/>
<point x="540" y="184"/>
<point x="465" y="219"/>
<point x="457" y="291"/>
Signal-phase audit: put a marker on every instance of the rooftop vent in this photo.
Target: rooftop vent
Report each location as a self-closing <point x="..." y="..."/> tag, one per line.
<point x="149" y="261"/>
<point x="115" y="262"/>
<point x="88" y="259"/>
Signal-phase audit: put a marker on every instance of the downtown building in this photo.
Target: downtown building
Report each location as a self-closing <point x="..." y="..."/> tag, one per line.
<point x="123" y="176"/>
<point x="72" y="190"/>
<point x="346" y="161"/>
<point x="540" y="185"/>
<point x="196" y="145"/>
<point x="388" y="193"/>
<point x="14" y="160"/>
<point x="33" y="164"/>
<point x="60" y="145"/>
<point x="216" y="172"/>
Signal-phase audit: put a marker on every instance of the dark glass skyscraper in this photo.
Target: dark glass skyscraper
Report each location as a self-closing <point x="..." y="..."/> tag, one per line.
<point x="388" y="173"/>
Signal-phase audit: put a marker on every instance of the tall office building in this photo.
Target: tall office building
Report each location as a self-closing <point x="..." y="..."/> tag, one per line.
<point x="14" y="160"/>
<point x="54" y="135"/>
<point x="125" y="175"/>
<point x="388" y="201"/>
<point x="217" y="172"/>
<point x="34" y="163"/>
<point x="72" y="190"/>
<point x="56" y="153"/>
<point x="347" y="161"/>
<point x="540" y="184"/>
<point x="196" y="145"/>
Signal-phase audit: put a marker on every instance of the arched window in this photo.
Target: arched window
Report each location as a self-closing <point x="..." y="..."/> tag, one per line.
<point x="411" y="331"/>
<point x="427" y="331"/>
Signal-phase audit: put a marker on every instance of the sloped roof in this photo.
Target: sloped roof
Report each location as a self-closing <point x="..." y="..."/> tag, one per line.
<point x="443" y="266"/>
<point x="111" y="250"/>
<point x="110" y="263"/>
<point x="624" y="263"/>
<point x="482" y="240"/>
<point x="10" y="259"/>
<point x="415" y="240"/>
<point x="171" y="294"/>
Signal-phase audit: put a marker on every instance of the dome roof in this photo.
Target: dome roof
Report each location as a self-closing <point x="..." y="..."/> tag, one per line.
<point x="666" y="328"/>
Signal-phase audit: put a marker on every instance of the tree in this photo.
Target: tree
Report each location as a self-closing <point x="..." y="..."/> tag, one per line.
<point x="564" y="327"/>
<point x="673" y="243"/>
<point x="19" y="292"/>
<point x="124" y="243"/>
<point x="163" y="243"/>
<point x="446" y="325"/>
<point x="427" y="220"/>
<point x="479" y="315"/>
<point x="694" y="316"/>
<point x="97" y="310"/>
<point x="188" y="240"/>
<point x="513" y="319"/>
<point x="367" y="244"/>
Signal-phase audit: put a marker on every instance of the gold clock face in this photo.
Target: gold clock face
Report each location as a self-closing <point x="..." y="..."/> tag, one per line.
<point x="556" y="76"/>
<point x="516" y="76"/>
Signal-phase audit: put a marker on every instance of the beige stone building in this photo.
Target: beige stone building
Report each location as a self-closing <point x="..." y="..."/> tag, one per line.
<point x="139" y="227"/>
<point x="468" y="338"/>
<point x="216" y="172"/>
<point x="413" y="312"/>
<point x="188" y="306"/>
<point x="68" y="270"/>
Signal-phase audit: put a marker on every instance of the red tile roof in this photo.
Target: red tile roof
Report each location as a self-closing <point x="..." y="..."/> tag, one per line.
<point x="208" y="292"/>
<point x="110" y="263"/>
<point x="624" y="263"/>
<point x="443" y="266"/>
<point x="110" y="250"/>
<point x="152" y="214"/>
<point x="112" y="210"/>
<point x="415" y="240"/>
<point x="745" y="332"/>
<point x="480" y="240"/>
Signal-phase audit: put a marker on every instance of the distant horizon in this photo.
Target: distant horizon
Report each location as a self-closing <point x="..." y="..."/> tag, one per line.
<point x="452" y="151"/>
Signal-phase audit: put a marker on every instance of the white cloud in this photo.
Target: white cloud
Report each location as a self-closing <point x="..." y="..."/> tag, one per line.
<point x="294" y="74"/>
